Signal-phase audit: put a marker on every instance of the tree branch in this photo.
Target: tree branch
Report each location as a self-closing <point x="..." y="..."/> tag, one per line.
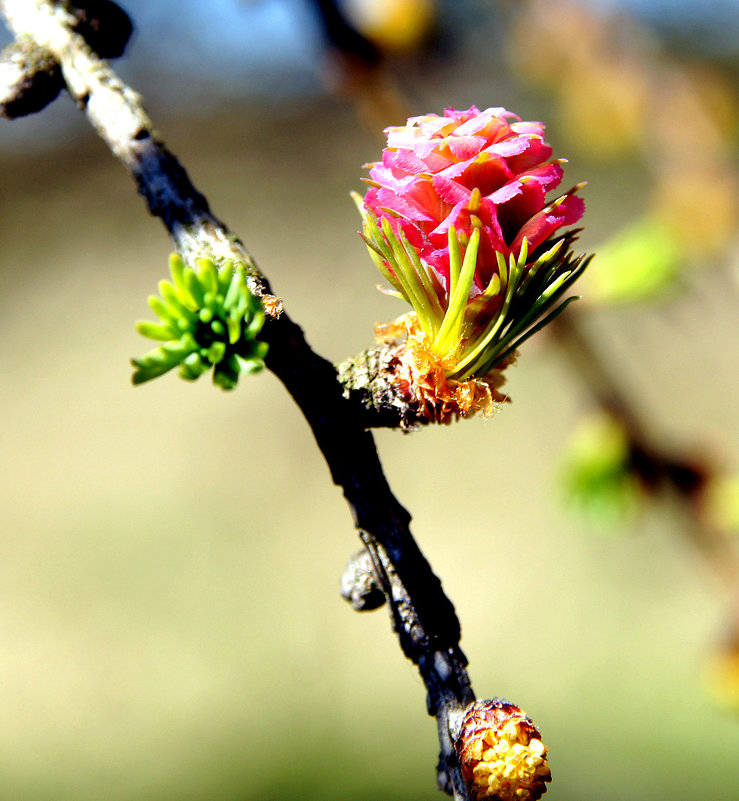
<point x="423" y="616"/>
<point x="30" y="78"/>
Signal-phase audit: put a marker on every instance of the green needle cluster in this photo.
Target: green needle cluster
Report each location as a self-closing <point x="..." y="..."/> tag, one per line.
<point x="531" y="296"/>
<point x="473" y="333"/>
<point x="209" y="319"/>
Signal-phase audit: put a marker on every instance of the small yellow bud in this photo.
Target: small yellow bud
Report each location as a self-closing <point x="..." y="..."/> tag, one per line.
<point x="501" y="753"/>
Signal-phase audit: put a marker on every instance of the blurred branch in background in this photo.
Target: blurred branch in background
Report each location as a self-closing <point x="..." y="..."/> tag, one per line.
<point x="360" y="35"/>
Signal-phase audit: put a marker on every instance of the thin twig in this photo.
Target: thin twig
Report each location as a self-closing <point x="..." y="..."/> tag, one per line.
<point x="424" y="617"/>
<point x="30" y="79"/>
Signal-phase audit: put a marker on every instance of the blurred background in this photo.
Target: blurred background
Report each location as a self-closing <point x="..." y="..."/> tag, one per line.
<point x="170" y="618"/>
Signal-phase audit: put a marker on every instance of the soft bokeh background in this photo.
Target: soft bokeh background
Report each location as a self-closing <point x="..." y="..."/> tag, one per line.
<point x="170" y="622"/>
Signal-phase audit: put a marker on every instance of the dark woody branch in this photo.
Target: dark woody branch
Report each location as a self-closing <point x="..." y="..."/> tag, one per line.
<point x="423" y="616"/>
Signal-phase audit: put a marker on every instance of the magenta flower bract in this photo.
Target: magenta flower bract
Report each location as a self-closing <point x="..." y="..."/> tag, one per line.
<point x="432" y="166"/>
<point x="457" y="219"/>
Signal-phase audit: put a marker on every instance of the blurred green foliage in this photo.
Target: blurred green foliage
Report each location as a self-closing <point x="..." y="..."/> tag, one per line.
<point x="597" y="476"/>
<point x="641" y="263"/>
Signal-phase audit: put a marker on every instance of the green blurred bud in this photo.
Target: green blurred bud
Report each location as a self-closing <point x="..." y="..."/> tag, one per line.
<point x="596" y="473"/>
<point x="640" y="263"/>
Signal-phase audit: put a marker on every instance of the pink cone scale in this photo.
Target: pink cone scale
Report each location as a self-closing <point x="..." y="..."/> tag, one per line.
<point x="457" y="219"/>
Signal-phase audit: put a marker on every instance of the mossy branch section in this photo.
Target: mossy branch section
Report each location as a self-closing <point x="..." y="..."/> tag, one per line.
<point x="369" y="381"/>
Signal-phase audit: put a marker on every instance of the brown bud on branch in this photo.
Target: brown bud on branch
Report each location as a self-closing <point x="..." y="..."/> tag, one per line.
<point x="501" y="753"/>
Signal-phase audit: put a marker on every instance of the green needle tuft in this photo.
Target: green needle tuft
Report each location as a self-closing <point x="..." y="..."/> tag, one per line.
<point x="209" y="320"/>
